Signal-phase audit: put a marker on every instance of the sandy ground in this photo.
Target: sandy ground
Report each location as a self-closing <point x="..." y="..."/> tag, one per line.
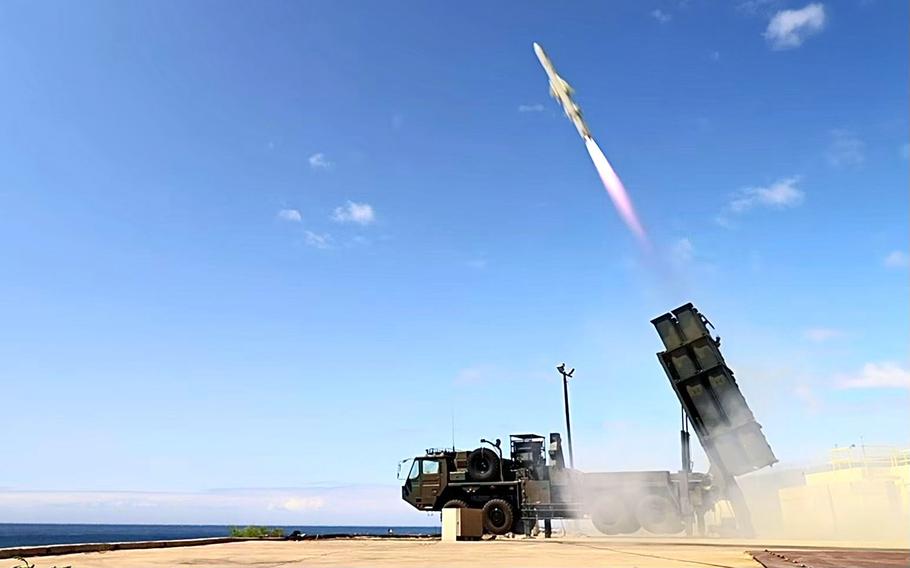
<point x="612" y="552"/>
<point x="377" y="552"/>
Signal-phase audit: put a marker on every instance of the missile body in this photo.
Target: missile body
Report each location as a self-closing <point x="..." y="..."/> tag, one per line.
<point x="562" y="92"/>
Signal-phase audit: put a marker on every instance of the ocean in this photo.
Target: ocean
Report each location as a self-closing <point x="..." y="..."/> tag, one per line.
<point x="27" y="534"/>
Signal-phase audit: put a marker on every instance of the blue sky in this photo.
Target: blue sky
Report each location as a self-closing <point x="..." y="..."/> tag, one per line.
<point x="256" y="253"/>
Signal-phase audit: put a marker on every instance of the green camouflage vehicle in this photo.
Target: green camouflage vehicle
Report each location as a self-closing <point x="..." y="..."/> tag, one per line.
<point x="516" y="492"/>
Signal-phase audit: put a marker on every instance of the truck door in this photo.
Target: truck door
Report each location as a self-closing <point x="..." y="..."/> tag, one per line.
<point x="410" y="491"/>
<point x="429" y="482"/>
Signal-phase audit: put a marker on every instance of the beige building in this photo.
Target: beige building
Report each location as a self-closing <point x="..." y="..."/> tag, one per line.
<point x="864" y="493"/>
<point x="861" y="493"/>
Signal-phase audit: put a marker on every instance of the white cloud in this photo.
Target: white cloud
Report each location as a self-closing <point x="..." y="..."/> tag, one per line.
<point x="682" y="251"/>
<point x="318" y="161"/>
<point x="752" y="7"/>
<point x="897" y="259"/>
<point x="781" y="194"/>
<point x="316" y="240"/>
<point x="489" y="373"/>
<point x="789" y="28"/>
<point x="292" y="215"/>
<point x="845" y="149"/>
<point x="299" y="504"/>
<point x="360" y="213"/>
<point x="661" y="16"/>
<point x="805" y="394"/>
<point x="715" y="56"/>
<point x="687" y="259"/>
<point x="822" y="334"/>
<point x="476" y="374"/>
<point x="530" y="108"/>
<point x="883" y="375"/>
<point x="314" y="505"/>
<point x="478" y="263"/>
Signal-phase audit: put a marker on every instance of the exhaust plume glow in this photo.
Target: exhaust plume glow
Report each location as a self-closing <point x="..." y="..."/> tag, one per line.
<point x="616" y="190"/>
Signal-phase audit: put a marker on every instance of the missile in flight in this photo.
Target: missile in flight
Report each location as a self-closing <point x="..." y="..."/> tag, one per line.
<point x="562" y="92"/>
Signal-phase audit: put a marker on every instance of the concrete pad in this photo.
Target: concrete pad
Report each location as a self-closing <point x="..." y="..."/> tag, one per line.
<point x="379" y="552"/>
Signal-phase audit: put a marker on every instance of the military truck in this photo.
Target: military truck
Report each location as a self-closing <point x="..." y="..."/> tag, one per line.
<point x="534" y="484"/>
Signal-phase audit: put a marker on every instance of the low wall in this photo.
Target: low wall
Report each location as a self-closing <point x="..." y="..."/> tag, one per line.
<point x="56" y="549"/>
<point x="59" y="549"/>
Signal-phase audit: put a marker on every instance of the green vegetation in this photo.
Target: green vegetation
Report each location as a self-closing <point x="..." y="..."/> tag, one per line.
<point x="253" y="531"/>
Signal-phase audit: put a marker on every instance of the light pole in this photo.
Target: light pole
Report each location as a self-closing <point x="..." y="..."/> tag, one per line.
<point x="566" y="375"/>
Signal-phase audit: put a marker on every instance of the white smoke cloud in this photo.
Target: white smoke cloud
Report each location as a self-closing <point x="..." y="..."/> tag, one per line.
<point x="789" y="28"/>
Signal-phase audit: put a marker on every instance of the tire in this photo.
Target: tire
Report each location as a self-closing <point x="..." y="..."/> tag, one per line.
<point x="483" y="464"/>
<point x="658" y="514"/>
<point x="498" y="516"/>
<point x="455" y="504"/>
<point x="611" y="516"/>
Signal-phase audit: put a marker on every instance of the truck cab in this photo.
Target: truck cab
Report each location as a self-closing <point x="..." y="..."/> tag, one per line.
<point x="479" y="479"/>
<point x="425" y="482"/>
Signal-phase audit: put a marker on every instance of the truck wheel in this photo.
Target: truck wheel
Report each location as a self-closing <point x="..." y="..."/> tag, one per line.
<point x="455" y="504"/>
<point x="497" y="516"/>
<point x="611" y="516"/>
<point x="483" y="464"/>
<point x="658" y="515"/>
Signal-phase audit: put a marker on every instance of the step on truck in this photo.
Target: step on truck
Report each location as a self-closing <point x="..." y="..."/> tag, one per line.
<point x="532" y="482"/>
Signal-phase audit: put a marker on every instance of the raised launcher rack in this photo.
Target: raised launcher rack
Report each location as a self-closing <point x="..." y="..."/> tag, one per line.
<point x="705" y="386"/>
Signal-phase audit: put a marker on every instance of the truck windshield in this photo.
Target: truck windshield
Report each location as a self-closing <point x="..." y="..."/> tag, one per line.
<point x="415" y="470"/>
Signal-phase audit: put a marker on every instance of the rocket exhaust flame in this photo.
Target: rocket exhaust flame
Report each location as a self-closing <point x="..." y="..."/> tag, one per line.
<point x="616" y="190"/>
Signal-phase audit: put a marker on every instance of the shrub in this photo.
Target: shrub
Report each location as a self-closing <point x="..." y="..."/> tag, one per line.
<point x="254" y="531"/>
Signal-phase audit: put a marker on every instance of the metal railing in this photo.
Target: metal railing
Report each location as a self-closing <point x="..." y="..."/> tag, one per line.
<point x="868" y="457"/>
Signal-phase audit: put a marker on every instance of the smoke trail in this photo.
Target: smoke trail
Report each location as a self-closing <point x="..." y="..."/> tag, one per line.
<point x="616" y="190"/>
